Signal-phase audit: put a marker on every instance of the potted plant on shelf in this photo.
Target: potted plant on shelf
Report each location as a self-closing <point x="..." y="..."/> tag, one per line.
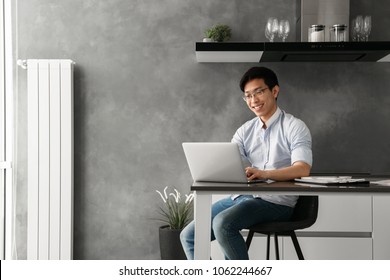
<point x="176" y="213"/>
<point x="218" y="33"/>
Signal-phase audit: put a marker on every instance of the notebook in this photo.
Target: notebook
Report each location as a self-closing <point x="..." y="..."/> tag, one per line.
<point x="215" y="162"/>
<point x="332" y="180"/>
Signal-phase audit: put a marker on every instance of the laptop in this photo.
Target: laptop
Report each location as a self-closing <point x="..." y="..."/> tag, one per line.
<point x="216" y="162"/>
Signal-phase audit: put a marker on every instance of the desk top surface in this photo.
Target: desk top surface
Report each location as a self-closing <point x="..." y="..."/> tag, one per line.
<point x="291" y="186"/>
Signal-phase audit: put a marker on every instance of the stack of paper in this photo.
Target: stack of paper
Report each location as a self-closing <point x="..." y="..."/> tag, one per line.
<point x="331" y="180"/>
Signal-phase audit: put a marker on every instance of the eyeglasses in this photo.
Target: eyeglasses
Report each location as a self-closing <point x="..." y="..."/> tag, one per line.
<point x="257" y="92"/>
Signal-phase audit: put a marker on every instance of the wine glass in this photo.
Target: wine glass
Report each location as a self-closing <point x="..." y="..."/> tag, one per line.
<point x="358" y="27"/>
<point x="366" y="27"/>
<point x="284" y="29"/>
<point x="267" y="33"/>
<point x="271" y="28"/>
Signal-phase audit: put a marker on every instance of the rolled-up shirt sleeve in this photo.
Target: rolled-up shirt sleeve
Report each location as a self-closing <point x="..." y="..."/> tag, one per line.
<point x="301" y="144"/>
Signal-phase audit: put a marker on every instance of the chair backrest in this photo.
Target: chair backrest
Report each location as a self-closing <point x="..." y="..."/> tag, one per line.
<point x="305" y="211"/>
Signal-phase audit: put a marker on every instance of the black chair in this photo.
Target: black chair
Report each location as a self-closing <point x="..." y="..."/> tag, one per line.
<point x="304" y="215"/>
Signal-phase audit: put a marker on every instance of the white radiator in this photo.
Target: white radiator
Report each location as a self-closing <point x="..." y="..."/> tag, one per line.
<point x="50" y="159"/>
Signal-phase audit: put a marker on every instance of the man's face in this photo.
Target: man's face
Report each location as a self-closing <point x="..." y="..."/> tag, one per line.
<point x="260" y="99"/>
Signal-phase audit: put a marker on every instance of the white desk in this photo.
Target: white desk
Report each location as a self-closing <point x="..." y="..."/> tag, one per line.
<point x="205" y="190"/>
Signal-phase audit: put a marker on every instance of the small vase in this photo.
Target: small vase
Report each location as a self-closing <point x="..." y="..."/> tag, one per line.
<point x="170" y="245"/>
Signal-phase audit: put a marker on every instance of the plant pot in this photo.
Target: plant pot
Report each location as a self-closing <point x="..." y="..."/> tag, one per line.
<point x="208" y="40"/>
<point x="170" y="245"/>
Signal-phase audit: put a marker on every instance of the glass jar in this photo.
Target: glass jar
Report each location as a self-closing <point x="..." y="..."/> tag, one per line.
<point x="338" y="33"/>
<point x="316" y="33"/>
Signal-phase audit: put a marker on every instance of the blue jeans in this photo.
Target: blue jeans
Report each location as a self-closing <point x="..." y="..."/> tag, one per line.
<point x="228" y="217"/>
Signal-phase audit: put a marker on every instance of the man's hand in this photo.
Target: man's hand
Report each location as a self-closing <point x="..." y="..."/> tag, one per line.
<point x="254" y="173"/>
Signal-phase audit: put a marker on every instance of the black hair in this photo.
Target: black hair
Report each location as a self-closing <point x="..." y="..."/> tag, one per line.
<point x="269" y="77"/>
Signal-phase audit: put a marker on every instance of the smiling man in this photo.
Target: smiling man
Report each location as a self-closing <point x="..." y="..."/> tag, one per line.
<point x="278" y="147"/>
<point x="277" y="144"/>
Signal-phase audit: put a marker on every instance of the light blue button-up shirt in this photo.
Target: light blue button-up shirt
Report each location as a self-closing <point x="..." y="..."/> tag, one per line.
<point x="278" y="143"/>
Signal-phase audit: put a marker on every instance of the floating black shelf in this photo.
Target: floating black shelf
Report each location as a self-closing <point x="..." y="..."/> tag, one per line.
<point x="293" y="51"/>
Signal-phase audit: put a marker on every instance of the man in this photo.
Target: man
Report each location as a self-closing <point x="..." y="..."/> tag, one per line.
<point x="278" y="147"/>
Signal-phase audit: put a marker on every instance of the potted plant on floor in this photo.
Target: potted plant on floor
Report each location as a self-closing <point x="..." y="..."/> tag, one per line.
<point x="175" y="213"/>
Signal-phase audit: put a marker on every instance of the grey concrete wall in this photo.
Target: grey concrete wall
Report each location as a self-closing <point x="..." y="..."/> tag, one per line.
<point x="139" y="93"/>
